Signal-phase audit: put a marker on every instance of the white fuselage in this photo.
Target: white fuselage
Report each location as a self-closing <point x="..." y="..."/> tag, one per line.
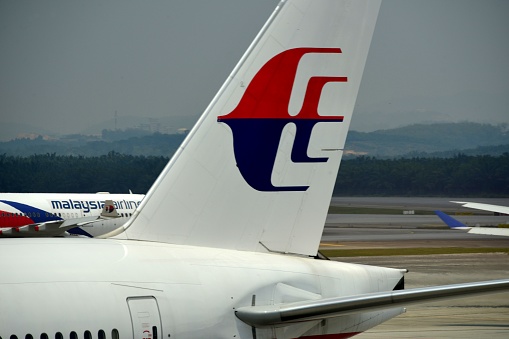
<point x="185" y="291"/>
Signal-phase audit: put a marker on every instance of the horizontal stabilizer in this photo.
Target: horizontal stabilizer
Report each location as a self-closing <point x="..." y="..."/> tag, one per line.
<point x="283" y="314"/>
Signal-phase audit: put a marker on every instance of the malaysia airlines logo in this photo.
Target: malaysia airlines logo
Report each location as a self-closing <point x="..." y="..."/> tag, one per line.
<point x="258" y="120"/>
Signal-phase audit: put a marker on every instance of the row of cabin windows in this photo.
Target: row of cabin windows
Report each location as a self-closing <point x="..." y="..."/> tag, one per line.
<point x="73" y="335"/>
<point x="28" y="214"/>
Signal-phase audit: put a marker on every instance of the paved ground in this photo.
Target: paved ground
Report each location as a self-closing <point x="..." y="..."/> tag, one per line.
<point x="409" y="221"/>
<point x="427" y="204"/>
<point x="475" y="317"/>
<point x="380" y="237"/>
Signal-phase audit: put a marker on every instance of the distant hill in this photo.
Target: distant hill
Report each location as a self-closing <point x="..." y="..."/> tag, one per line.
<point x="163" y="125"/>
<point x="156" y="144"/>
<point x="421" y="139"/>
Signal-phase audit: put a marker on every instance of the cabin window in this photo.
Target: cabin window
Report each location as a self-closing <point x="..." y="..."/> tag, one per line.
<point x="59" y="335"/>
<point x="14" y="337"/>
<point x="101" y="334"/>
<point x="115" y="334"/>
<point x="44" y="336"/>
<point x="88" y="335"/>
<point x="29" y="336"/>
<point x="73" y="335"/>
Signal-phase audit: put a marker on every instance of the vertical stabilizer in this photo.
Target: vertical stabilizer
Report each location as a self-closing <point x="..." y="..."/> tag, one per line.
<point x="109" y="210"/>
<point x="256" y="172"/>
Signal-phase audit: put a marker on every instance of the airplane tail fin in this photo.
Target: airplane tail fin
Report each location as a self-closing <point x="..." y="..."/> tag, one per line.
<point x="256" y="172"/>
<point x="109" y="210"/>
<point x="450" y="221"/>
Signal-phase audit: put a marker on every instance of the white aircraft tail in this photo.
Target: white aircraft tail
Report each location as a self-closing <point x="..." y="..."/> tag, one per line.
<point x="109" y="210"/>
<point x="256" y="172"/>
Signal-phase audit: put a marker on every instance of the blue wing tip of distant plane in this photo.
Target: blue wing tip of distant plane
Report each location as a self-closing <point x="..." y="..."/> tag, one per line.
<point x="449" y="221"/>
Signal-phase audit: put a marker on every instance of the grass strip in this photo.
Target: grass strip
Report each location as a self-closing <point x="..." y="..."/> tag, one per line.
<point x="409" y="251"/>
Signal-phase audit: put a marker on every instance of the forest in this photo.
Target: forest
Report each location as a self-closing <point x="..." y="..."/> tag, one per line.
<point x="461" y="175"/>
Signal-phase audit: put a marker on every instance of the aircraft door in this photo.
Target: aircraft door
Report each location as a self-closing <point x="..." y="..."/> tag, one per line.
<point x="145" y="317"/>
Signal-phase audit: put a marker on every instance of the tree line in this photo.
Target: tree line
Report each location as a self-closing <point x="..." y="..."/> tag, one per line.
<point x="460" y="175"/>
<point x="51" y="173"/>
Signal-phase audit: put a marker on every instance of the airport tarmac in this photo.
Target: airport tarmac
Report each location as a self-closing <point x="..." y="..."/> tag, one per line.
<point x="380" y="237"/>
<point x="484" y="316"/>
<point x="409" y="221"/>
<point x="416" y="203"/>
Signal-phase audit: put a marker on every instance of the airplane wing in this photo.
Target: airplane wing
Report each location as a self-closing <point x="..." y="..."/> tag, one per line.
<point x="458" y="225"/>
<point x="484" y="207"/>
<point x="284" y="314"/>
<point x="52" y="228"/>
<point x="490" y="231"/>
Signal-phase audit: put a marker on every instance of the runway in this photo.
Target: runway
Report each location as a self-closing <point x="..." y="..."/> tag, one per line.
<point x="379" y="237"/>
<point x="421" y="203"/>
<point x="409" y="221"/>
<point x="474" y="317"/>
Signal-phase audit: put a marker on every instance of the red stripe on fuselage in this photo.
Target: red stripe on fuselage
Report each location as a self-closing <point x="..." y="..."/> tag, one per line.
<point x="9" y="219"/>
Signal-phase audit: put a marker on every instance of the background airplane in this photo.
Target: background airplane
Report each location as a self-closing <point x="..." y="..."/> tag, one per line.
<point x="455" y="224"/>
<point x="223" y="244"/>
<point x="63" y="214"/>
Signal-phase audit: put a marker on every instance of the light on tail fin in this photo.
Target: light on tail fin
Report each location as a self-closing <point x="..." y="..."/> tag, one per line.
<point x="256" y="172"/>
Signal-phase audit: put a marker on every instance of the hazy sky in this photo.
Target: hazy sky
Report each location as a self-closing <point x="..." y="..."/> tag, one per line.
<point x="67" y="65"/>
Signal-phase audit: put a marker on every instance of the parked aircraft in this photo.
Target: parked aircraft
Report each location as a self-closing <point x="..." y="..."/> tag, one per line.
<point x="458" y="225"/>
<point x="64" y="214"/>
<point x="223" y="244"/>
